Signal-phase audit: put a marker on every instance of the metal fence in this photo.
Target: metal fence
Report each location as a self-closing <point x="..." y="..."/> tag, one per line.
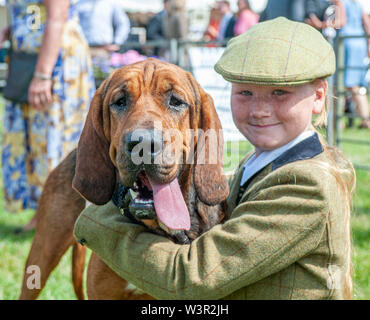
<point x="175" y="51"/>
<point x="340" y="93"/>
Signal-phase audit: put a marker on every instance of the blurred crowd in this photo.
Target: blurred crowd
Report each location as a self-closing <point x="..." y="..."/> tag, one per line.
<point x="321" y="14"/>
<point x="332" y="18"/>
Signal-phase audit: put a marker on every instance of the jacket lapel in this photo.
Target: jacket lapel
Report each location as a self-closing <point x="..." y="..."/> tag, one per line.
<point x="306" y="149"/>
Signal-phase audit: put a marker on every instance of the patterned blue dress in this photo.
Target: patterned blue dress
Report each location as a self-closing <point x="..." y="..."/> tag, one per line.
<point x="33" y="141"/>
<point x="355" y="49"/>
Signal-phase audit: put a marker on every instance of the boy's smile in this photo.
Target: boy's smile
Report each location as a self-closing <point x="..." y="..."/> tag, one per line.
<point x="270" y="117"/>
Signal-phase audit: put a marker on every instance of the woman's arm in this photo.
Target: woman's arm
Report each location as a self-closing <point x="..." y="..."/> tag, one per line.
<point x="340" y="14"/>
<point x="366" y="26"/>
<point x="366" y="23"/>
<point x="39" y="93"/>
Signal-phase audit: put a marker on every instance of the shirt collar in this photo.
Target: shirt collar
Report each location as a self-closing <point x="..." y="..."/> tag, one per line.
<point x="255" y="164"/>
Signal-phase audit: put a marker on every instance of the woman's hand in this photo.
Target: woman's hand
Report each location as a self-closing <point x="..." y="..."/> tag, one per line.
<point x="314" y="21"/>
<point x="39" y="93"/>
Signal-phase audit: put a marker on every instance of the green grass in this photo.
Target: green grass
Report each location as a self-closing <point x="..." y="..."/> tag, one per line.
<point x="13" y="254"/>
<point x="14" y="248"/>
<point x="360" y="155"/>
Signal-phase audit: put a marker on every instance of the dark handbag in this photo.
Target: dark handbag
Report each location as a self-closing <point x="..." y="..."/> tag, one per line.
<point x="20" y="73"/>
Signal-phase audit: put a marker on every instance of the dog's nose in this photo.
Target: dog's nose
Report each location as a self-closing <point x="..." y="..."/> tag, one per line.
<point x="144" y="142"/>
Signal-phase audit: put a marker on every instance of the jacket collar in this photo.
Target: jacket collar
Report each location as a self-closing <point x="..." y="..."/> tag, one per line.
<point x="305" y="149"/>
<point x="255" y="164"/>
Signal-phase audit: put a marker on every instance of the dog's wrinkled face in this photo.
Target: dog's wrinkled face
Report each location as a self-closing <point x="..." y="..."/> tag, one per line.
<point x="151" y="112"/>
<point x="143" y="126"/>
<point x="149" y="107"/>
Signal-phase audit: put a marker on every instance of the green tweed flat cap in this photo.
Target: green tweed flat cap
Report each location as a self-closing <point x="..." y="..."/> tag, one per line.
<point x="277" y="52"/>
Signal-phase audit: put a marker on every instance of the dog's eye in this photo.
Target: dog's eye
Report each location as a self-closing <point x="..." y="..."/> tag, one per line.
<point x="121" y="103"/>
<point x="176" y="102"/>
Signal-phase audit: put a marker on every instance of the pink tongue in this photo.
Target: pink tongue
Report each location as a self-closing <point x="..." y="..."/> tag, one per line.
<point x="170" y="205"/>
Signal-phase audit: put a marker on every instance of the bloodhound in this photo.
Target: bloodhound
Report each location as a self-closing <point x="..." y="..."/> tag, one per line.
<point x="136" y="104"/>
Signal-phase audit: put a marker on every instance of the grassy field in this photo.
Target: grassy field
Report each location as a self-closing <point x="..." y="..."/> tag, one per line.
<point x="14" y="248"/>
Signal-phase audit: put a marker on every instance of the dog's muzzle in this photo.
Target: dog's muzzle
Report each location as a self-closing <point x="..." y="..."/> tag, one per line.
<point x="144" y="144"/>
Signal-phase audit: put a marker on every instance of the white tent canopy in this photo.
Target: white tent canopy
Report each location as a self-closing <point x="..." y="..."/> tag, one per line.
<point x="156" y="5"/>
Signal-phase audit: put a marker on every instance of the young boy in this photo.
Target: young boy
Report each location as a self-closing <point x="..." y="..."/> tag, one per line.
<point x="288" y="235"/>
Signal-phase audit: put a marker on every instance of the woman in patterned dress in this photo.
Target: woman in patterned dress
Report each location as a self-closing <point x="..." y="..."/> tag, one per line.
<point x="39" y="134"/>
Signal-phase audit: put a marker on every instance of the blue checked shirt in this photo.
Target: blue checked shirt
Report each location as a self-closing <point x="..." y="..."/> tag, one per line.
<point x="103" y="22"/>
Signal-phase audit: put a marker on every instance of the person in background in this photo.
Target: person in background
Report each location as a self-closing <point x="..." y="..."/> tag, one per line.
<point x="297" y="10"/>
<point x="212" y="31"/>
<point x="292" y="9"/>
<point x="245" y="17"/>
<point x="227" y="22"/>
<point x="37" y="135"/>
<point x="274" y="9"/>
<point x="327" y="17"/>
<point x="366" y="8"/>
<point x="316" y="14"/>
<point x="175" y="22"/>
<point x="155" y="26"/>
<point x="356" y="56"/>
<point x="104" y="23"/>
<point x="155" y="29"/>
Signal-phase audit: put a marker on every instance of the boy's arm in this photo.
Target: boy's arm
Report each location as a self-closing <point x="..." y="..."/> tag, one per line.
<point x="279" y="225"/>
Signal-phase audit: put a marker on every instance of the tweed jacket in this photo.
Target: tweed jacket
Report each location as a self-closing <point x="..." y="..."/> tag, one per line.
<point x="284" y="239"/>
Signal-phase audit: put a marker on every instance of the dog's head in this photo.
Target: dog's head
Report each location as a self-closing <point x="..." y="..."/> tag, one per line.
<point x="153" y="128"/>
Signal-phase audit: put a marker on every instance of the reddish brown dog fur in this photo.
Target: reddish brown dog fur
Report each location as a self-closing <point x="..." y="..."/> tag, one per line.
<point x="101" y="160"/>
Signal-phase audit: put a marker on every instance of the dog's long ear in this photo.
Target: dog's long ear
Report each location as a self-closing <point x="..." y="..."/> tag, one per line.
<point x="95" y="174"/>
<point x="209" y="179"/>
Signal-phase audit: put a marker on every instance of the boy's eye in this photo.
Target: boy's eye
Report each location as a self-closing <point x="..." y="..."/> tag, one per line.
<point x="246" y="93"/>
<point x="279" y="92"/>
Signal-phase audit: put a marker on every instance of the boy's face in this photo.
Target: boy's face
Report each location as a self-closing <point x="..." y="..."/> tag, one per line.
<point x="270" y="117"/>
